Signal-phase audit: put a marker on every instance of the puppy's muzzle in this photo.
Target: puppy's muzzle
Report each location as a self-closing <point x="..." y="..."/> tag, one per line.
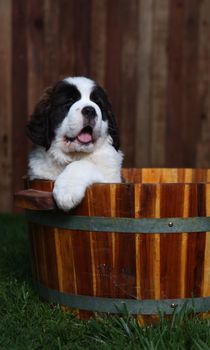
<point x="89" y="114"/>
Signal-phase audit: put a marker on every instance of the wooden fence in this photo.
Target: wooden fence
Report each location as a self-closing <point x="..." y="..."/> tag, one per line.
<point x="152" y="56"/>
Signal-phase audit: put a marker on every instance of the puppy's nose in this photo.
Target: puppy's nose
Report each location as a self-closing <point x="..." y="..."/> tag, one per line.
<point x="89" y="112"/>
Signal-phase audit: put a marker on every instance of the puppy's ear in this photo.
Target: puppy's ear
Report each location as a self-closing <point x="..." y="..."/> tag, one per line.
<point x="38" y="128"/>
<point x="113" y="129"/>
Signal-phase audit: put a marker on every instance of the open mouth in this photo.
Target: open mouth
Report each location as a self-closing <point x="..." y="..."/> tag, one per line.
<point x="84" y="137"/>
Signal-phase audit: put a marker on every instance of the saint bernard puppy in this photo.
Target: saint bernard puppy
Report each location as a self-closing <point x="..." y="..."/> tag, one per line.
<point x="76" y="141"/>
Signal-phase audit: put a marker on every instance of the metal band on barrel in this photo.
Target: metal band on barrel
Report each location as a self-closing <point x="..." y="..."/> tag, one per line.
<point x="116" y="305"/>
<point x="118" y="224"/>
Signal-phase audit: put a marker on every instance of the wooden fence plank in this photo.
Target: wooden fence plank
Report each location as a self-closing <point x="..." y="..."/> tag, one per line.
<point x="183" y="122"/>
<point x="66" y="55"/>
<point x="82" y="37"/>
<point x="190" y="120"/>
<point x="159" y="73"/>
<point x="51" y="41"/>
<point x="5" y="103"/>
<point x="203" y="85"/>
<point x="98" y="41"/>
<point x="175" y="83"/>
<point x="129" y="61"/>
<point x="142" y="122"/>
<point x="35" y="51"/>
<point x="19" y="92"/>
<point x="113" y="56"/>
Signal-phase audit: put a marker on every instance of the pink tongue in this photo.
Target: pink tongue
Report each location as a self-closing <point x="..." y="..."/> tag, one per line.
<point x="84" y="137"/>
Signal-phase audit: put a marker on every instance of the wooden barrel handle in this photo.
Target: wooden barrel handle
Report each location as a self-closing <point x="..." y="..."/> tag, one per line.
<point x="34" y="199"/>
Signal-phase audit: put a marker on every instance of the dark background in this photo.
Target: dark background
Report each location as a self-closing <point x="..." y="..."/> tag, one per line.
<point x="152" y="57"/>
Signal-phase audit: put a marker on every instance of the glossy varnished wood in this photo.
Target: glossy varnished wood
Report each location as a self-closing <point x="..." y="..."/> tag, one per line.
<point x="35" y="199"/>
<point x="116" y="265"/>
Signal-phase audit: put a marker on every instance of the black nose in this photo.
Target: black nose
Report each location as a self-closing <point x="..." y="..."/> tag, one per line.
<point x="89" y="111"/>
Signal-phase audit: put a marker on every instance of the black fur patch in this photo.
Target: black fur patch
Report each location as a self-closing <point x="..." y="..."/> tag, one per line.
<point x="50" y="112"/>
<point x="99" y="96"/>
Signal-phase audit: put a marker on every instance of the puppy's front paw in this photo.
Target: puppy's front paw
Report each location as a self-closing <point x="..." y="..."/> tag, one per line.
<point x="68" y="197"/>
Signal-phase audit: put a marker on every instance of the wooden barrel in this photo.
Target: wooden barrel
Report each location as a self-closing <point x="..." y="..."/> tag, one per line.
<point x="143" y="245"/>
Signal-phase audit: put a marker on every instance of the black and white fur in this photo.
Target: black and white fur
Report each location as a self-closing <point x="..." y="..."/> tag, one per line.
<point x="76" y="140"/>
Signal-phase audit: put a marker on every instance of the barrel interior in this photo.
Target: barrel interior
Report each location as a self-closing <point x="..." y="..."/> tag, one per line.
<point x="153" y="266"/>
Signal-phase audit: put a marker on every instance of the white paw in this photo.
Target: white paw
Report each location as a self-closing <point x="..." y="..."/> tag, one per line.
<point x="68" y="197"/>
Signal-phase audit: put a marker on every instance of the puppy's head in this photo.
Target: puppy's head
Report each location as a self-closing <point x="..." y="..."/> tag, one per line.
<point x="75" y="115"/>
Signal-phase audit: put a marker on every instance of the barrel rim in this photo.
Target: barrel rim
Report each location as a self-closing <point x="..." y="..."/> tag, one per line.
<point x="197" y="170"/>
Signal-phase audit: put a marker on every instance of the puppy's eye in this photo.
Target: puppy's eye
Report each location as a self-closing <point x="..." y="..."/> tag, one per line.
<point x="71" y="100"/>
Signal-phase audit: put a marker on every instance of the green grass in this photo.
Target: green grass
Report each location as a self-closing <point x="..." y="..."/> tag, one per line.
<point x="27" y="323"/>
